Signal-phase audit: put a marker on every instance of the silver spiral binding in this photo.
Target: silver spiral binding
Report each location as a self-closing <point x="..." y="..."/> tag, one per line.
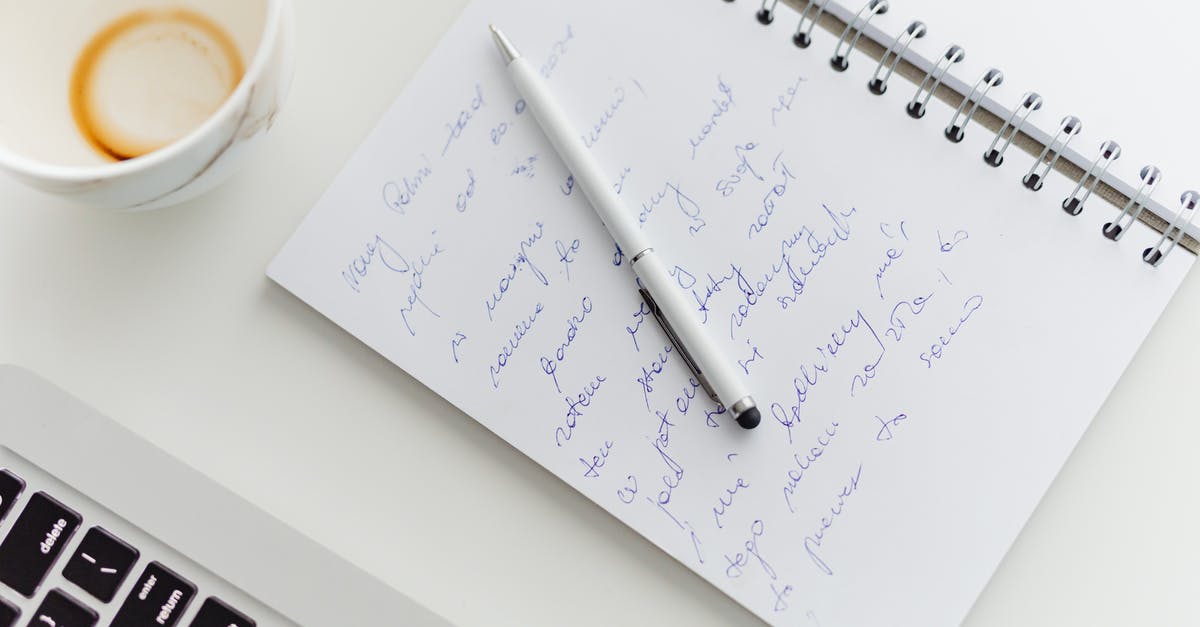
<point x="1067" y="130"/>
<point x="766" y="14"/>
<point x="1116" y="229"/>
<point x="1069" y="126"/>
<point x="916" y="107"/>
<point x="840" y="61"/>
<point x="1030" y="102"/>
<point x="803" y="36"/>
<point x="1155" y="254"/>
<point x="877" y="84"/>
<point x="954" y="130"/>
<point x="1109" y="151"/>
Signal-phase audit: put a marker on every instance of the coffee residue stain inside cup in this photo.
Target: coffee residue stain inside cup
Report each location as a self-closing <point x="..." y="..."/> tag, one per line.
<point x="149" y="78"/>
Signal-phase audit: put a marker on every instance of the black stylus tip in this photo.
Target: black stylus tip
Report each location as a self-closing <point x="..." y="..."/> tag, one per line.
<point x="749" y="418"/>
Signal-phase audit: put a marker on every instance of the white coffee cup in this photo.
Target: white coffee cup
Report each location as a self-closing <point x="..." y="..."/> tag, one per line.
<point x="41" y="141"/>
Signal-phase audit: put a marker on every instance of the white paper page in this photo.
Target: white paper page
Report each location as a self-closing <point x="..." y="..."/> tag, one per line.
<point x="1127" y="70"/>
<point x="927" y="338"/>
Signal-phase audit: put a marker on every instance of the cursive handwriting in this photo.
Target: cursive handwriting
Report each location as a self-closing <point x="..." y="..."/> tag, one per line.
<point x="812" y="370"/>
<point x="728" y="185"/>
<point x="619" y="186"/>
<point x="455" y="342"/>
<point x="890" y="230"/>
<point x="575" y="407"/>
<point x="801" y="464"/>
<point x="869" y="370"/>
<point x="464" y="198"/>
<point x="671" y="479"/>
<point x="649" y="371"/>
<point x="566" y="254"/>
<point x="721" y="106"/>
<point x="818" y="247"/>
<point x="520" y="330"/>
<point x="557" y="51"/>
<point x="755" y="355"/>
<point x="376" y="250"/>
<point x="592" y="467"/>
<point x="958" y="238"/>
<point x="814" y="541"/>
<point x="786" y="419"/>
<point x="398" y="195"/>
<point x="610" y="111"/>
<point x="712" y="287"/>
<point x="725" y="501"/>
<point x="551" y="363"/>
<point x="520" y="262"/>
<point x="628" y="492"/>
<point x="783" y="102"/>
<point x="739" y="559"/>
<point x="935" y="350"/>
<point x="886" y="426"/>
<point x="890" y="257"/>
<point x="460" y="122"/>
<point x="526" y="167"/>
<point x="914" y="308"/>
<point x="777" y="191"/>
<point x="639" y="317"/>
<point x="686" y="205"/>
<point x="416" y="285"/>
<point x="797" y="271"/>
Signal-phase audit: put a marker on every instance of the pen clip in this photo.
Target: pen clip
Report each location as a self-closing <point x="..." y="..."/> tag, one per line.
<point x="679" y="347"/>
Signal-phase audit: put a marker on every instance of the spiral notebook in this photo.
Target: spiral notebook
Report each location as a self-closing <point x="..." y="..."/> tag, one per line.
<point x="929" y="331"/>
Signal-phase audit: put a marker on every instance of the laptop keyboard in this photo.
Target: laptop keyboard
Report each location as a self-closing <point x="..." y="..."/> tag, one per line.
<point x="10" y="488"/>
<point x="101" y="564"/>
<point x="35" y="542"/>
<point x="76" y="591"/>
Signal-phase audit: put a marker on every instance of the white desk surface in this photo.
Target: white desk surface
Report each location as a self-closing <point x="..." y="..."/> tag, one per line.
<point x="166" y="322"/>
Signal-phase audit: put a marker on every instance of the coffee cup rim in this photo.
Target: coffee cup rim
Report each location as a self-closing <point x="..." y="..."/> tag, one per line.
<point x="79" y="174"/>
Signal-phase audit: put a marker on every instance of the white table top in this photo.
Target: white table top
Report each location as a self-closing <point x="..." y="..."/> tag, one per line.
<point x="166" y="322"/>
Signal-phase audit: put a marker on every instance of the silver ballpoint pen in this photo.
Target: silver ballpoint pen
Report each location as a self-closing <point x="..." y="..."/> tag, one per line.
<point x="701" y="354"/>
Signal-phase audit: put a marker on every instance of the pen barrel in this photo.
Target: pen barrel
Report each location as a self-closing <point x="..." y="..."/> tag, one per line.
<point x="620" y="222"/>
<point x="568" y="143"/>
<point x="685" y="322"/>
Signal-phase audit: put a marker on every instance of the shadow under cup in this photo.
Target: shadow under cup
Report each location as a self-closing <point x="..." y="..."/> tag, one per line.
<point x="133" y="103"/>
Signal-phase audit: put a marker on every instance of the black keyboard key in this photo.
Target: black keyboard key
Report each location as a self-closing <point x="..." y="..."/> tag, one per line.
<point x="8" y="614"/>
<point x="157" y="600"/>
<point x="33" y="544"/>
<point x="61" y="610"/>
<point x="10" y="488"/>
<point x="101" y="564"/>
<point x="215" y="613"/>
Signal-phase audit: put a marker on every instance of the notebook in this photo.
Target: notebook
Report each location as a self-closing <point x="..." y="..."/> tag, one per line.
<point x="928" y="337"/>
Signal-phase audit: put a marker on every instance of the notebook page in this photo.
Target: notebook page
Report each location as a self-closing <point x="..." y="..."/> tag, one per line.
<point x="927" y="339"/>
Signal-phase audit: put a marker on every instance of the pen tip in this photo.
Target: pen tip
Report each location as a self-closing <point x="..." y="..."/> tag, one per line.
<point x="749" y="418"/>
<point x="507" y="50"/>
